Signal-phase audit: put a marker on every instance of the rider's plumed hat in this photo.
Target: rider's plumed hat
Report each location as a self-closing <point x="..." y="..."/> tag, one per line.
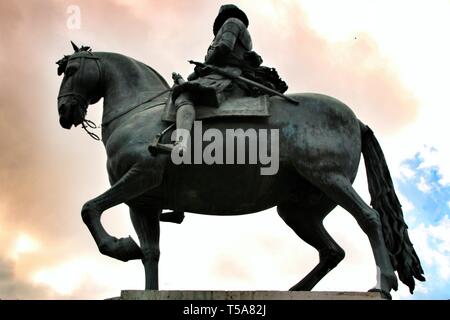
<point x="228" y="11"/>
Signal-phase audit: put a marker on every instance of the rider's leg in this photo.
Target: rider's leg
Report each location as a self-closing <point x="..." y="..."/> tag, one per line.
<point x="185" y="119"/>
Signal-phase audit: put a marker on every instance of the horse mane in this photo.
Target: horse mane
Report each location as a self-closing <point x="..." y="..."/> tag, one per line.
<point x="152" y="70"/>
<point x="164" y="82"/>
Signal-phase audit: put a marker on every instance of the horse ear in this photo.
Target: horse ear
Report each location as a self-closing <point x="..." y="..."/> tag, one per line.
<point x="74" y="46"/>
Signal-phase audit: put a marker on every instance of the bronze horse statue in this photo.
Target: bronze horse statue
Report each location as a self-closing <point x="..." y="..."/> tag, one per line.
<point x="320" y="144"/>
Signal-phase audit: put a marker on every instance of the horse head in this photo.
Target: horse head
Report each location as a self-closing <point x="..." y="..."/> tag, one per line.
<point x="80" y="87"/>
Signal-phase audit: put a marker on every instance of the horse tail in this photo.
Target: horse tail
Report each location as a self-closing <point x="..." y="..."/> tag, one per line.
<point x="384" y="200"/>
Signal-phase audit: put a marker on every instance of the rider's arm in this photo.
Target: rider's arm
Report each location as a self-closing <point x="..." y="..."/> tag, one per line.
<point x="229" y="33"/>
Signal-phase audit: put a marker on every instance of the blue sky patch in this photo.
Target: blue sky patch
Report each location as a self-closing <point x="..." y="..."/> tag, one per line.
<point x="430" y="200"/>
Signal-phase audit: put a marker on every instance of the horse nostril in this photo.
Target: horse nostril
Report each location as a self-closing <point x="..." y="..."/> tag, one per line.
<point x="64" y="116"/>
<point x="64" y="122"/>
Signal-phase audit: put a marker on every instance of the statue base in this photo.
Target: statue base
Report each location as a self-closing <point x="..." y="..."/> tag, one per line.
<point x="245" y="295"/>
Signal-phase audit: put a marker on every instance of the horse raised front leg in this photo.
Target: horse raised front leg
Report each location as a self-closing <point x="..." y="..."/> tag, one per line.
<point x="132" y="184"/>
<point x="146" y="223"/>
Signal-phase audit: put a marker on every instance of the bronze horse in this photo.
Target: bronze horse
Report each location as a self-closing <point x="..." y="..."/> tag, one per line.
<point x="320" y="144"/>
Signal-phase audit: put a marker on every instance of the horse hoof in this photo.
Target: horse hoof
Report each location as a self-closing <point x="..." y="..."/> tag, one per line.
<point x="384" y="294"/>
<point x="160" y="148"/>
<point x="122" y="249"/>
<point x="300" y="287"/>
<point x="127" y="249"/>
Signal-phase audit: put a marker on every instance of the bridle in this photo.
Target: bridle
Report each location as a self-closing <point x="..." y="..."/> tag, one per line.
<point x="77" y="78"/>
<point x="85" y="101"/>
<point x="77" y="81"/>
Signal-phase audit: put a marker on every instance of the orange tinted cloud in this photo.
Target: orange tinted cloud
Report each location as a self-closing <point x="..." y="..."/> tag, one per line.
<point x="354" y="72"/>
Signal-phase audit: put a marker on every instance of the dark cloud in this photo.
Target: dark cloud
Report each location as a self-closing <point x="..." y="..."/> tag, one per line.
<point x="11" y="287"/>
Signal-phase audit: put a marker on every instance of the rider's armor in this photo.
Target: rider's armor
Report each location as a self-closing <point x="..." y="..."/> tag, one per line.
<point x="231" y="45"/>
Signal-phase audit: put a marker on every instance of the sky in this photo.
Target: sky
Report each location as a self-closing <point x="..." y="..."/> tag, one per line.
<point x="387" y="60"/>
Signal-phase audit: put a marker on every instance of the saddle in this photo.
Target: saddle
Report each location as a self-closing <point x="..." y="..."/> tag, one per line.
<point x="232" y="107"/>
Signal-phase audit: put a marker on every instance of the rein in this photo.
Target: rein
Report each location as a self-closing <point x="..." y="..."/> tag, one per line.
<point x="91" y="124"/>
<point x="105" y="123"/>
<point x="86" y="124"/>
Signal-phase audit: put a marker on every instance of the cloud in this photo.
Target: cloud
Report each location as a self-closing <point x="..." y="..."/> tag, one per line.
<point x="434" y="158"/>
<point x="11" y="287"/>
<point x="85" y="277"/>
<point x="423" y="186"/>
<point x="406" y="173"/>
<point x="230" y="269"/>
<point x="407" y="205"/>
<point x="354" y="71"/>
<point x="433" y="243"/>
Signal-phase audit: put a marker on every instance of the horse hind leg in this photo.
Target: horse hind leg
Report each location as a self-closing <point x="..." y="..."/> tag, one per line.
<point x="340" y="190"/>
<point x="308" y="225"/>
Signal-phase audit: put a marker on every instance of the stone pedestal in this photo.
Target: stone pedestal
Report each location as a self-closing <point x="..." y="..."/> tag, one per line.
<point x="245" y="295"/>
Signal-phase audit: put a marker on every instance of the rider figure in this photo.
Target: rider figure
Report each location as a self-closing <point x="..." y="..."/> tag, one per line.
<point x="230" y="49"/>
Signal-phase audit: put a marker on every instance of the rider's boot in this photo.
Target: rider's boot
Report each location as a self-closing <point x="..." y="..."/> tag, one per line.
<point x="184" y="122"/>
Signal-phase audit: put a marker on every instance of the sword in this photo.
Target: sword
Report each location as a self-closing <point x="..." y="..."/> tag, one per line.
<point x="231" y="75"/>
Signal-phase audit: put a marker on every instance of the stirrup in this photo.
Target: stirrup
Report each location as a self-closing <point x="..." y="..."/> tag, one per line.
<point x="155" y="147"/>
